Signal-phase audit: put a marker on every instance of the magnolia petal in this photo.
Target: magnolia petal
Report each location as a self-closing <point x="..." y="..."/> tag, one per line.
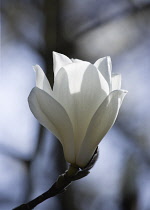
<point x="75" y="60"/>
<point x="101" y="122"/>
<point x="59" y="60"/>
<point x="104" y="66"/>
<point x="115" y="82"/>
<point x="53" y="116"/>
<point x="41" y="80"/>
<point x="80" y="88"/>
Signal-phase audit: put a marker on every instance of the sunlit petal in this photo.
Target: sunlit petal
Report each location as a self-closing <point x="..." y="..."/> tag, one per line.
<point x="115" y="82"/>
<point x="104" y="66"/>
<point x="74" y="60"/>
<point x="80" y="88"/>
<point x="59" y="60"/>
<point x="41" y="80"/>
<point x="101" y="122"/>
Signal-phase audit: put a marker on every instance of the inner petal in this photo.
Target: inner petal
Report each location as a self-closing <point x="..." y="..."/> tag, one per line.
<point x="80" y="88"/>
<point x="59" y="60"/>
<point x="105" y="67"/>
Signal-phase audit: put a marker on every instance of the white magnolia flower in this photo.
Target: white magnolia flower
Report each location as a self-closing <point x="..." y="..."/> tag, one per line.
<point x="82" y="106"/>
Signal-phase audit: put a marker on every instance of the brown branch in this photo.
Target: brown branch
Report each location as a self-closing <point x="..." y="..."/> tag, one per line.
<point x="72" y="174"/>
<point x="59" y="186"/>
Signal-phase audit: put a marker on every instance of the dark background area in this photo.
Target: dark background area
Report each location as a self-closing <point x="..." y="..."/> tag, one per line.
<point x="30" y="157"/>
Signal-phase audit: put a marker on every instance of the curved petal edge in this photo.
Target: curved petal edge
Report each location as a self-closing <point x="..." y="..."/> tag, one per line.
<point x="59" y="61"/>
<point x="54" y="117"/>
<point x="101" y="122"/>
<point x="41" y="80"/>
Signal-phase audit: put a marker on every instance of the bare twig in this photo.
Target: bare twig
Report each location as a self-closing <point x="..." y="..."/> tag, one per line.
<point x="63" y="181"/>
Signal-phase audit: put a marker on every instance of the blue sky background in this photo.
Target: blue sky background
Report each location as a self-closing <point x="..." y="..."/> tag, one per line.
<point x="124" y="151"/>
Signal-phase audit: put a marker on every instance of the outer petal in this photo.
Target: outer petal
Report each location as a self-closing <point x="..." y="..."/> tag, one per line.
<point x="80" y="88"/>
<point x="115" y="82"/>
<point x="41" y="80"/>
<point x="104" y="66"/>
<point x="101" y="122"/>
<point x="53" y="116"/>
<point x="59" y="60"/>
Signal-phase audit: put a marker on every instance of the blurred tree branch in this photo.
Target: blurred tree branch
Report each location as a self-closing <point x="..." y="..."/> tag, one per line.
<point x="20" y="35"/>
<point x="129" y="191"/>
<point x="142" y="152"/>
<point x="134" y="9"/>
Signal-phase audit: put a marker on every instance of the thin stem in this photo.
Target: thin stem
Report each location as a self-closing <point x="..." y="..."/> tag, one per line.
<point x="59" y="186"/>
<point x="73" y="173"/>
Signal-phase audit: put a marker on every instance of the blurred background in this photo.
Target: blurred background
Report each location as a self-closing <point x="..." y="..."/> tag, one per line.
<point x="30" y="157"/>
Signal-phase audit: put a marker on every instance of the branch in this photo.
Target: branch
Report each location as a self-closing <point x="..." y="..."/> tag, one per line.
<point x="72" y="174"/>
<point x="133" y="9"/>
<point x="20" y="34"/>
